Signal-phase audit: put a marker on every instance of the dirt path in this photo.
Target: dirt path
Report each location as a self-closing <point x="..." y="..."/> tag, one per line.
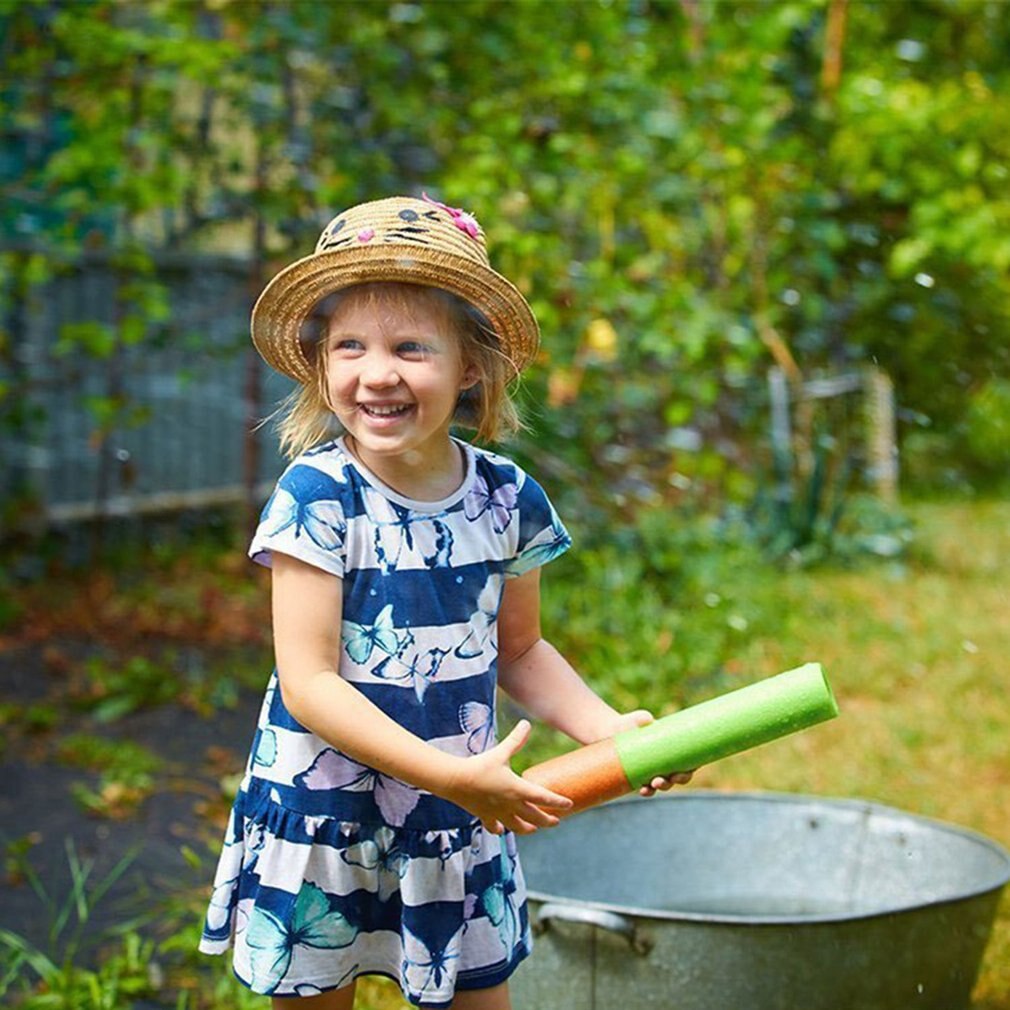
<point x="39" y="812"/>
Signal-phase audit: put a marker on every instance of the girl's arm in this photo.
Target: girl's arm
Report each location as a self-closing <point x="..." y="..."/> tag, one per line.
<point x="307" y="603"/>
<point x="544" y="683"/>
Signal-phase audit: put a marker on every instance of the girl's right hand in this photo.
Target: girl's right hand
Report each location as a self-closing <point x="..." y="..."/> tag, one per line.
<point x="487" y="787"/>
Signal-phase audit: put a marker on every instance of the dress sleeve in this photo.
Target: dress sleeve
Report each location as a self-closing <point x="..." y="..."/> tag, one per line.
<point x="304" y="518"/>
<point x="542" y="536"/>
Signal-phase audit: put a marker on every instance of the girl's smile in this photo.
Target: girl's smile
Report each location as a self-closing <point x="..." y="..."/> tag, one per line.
<point x="394" y="377"/>
<point x="382" y="416"/>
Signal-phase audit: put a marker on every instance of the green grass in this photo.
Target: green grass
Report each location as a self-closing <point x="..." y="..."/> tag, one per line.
<point x="915" y="650"/>
<point x="56" y="975"/>
<point x="126" y="772"/>
<point x="917" y="656"/>
<point x="665" y="616"/>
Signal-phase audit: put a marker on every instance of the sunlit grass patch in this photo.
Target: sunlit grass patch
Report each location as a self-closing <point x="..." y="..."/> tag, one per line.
<point x="916" y="650"/>
<point x="917" y="655"/>
<point x="126" y="772"/>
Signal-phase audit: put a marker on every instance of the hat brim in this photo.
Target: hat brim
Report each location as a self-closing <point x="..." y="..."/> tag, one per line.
<point x="291" y="295"/>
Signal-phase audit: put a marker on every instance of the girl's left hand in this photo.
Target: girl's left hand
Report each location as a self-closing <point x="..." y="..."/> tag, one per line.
<point x="642" y="717"/>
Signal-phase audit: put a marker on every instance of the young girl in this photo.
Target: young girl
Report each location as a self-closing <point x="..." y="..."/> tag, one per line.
<point x="374" y="829"/>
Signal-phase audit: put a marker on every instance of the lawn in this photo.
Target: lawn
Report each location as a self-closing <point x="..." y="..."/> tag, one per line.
<point x="915" y="650"/>
<point x="913" y="646"/>
<point x="917" y="657"/>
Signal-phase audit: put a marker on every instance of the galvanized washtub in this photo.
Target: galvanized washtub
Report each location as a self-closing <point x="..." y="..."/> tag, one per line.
<point x="725" y="901"/>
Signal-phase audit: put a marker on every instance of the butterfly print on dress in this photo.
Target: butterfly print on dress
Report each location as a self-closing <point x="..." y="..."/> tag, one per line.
<point x="400" y="535"/>
<point x="483" y="622"/>
<point x="333" y="770"/>
<point x="427" y="968"/>
<point x="420" y="670"/>
<point x="272" y="941"/>
<point x="477" y="720"/>
<point x="501" y="503"/>
<point x="382" y="854"/>
<point x="323" y="521"/>
<point x="360" y="640"/>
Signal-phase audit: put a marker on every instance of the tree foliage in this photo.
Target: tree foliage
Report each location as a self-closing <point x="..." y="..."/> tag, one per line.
<point x="687" y="190"/>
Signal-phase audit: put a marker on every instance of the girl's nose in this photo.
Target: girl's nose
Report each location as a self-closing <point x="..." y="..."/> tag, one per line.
<point x="380" y="371"/>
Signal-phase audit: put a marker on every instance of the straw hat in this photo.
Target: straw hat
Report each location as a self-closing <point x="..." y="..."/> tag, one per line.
<point x="397" y="239"/>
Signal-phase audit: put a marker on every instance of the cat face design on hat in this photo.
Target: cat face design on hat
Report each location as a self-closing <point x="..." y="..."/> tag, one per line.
<point x="404" y="239"/>
<point x="412" y="226"/>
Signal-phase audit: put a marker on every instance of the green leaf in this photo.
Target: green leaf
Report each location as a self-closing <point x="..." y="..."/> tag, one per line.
<point x="93" y="338"/>
<point x="908" y="254"/>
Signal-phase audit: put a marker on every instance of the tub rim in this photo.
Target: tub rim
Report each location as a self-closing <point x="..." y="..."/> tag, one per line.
<point x="785" y="919"/>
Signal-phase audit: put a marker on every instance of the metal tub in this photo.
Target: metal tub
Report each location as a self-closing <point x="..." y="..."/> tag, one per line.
<point x="720" y="901"/>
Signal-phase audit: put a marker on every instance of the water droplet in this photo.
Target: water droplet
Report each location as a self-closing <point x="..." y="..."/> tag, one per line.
<point x="910" y="49"/>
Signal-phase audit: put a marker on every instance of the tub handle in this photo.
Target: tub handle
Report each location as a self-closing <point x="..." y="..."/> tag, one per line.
<point x="639" y="942"/>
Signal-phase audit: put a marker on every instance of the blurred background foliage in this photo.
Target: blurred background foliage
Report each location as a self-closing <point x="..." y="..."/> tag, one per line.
<point x="688" y="192"/>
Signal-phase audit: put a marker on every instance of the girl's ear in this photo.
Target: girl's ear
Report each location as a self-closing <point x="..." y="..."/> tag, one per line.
<point x="470" y="377"/>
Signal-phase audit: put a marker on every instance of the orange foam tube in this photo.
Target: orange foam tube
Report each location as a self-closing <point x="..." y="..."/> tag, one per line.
<point x="587" y="776"/>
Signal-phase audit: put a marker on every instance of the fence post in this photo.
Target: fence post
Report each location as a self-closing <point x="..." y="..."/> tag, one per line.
<point x="781" y="435"/>
<point x="26" y="455"/>
<point x="881" y="440"/>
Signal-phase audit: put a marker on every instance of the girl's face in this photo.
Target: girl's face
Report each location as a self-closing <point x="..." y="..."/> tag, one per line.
<point x="394" y="376"/>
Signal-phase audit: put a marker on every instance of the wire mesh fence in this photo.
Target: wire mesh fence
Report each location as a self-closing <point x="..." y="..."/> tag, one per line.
<point x="187" y="395"/>
<point x="184" y="406"/>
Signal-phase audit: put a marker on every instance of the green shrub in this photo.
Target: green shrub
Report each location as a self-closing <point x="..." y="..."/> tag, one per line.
<point x="987" y="425"/>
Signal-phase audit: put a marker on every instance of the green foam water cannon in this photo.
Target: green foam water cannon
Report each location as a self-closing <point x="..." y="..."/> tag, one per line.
<point x="694" y="736"/>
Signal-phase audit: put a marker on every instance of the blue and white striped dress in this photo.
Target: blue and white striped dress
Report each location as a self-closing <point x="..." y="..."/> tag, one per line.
<point x="330" y="869"/>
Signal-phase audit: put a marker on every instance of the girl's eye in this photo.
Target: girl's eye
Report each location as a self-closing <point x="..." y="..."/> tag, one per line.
<point x="413" y="349"/>
<point x="345" y="344"/>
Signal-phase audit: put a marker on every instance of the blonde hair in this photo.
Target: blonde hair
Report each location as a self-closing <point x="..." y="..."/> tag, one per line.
<point x="306" y="417"/>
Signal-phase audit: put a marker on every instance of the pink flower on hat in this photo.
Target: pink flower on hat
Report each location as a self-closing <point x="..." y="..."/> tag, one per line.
<point x="468" y="223"/>
<point x="460" y="218"/>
